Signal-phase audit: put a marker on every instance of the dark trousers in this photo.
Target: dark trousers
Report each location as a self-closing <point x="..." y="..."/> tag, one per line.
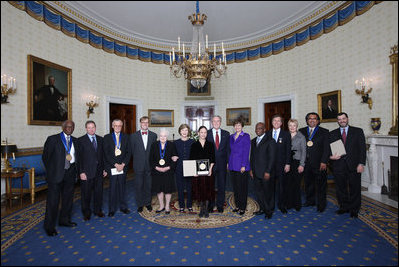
<point x="184" y="183"/>
<point x="281" y="190"/>
<point x="220" y="177"/>
<point x="316" y="187"/>
<point x="240" y="188"/>
<point x="92" y="187"/>
<point x="142" y="188"/>
<point x="65" y="190"/>
<point x="294" y="186"/>
<point x="117" y="192"/>
<point x="348" y="188"/>
<point x="264" y="190"/>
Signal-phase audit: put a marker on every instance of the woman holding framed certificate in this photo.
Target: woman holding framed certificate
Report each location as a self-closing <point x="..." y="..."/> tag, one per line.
<point x="203" y="185"/>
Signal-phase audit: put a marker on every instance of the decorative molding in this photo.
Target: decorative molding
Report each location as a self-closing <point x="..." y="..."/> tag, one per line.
<point x="272" y="99"/>
<point x="118" y="100"/>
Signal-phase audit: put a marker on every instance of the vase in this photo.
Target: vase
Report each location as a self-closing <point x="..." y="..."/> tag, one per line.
<point x="375" y="124"/>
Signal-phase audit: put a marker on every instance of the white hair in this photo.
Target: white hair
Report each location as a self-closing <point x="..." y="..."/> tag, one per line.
<point x="164" y="130"/>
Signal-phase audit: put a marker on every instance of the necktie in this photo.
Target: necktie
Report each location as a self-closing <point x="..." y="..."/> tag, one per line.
<point x="275" y="135"/>
<point x="143" y="133"/>
<point x="67" y="163"/>
<point x="93" y="141"/>
<point x="344" y="136"/>
<point x="310" y="133"/>
<point x="257" y="141"/>
<point x="217" y="140"/>
<point x="117" y="140"/>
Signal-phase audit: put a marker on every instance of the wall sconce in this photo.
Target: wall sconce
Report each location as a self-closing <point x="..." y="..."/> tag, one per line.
<point x="92" y="102"/>
<point x="8" y="87"/>
<point x="363" y="88"/>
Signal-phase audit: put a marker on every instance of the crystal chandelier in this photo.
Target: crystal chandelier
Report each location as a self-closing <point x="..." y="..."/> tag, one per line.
<point x="197" y="66"/>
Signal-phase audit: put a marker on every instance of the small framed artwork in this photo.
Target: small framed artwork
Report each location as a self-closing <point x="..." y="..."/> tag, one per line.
<point x="244" y="114"/>
<point x="203" y="91"/>
<point x="329" y="105"/>
<point x="49" y="92"/>
<point x="161" y="117"/>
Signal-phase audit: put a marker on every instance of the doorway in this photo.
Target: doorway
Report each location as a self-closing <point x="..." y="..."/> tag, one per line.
<point x="197" y="116"/>
<point x="283" y="108"/>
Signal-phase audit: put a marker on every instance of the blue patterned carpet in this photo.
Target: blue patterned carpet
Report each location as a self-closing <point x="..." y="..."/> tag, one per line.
<point x="296" y="238"/>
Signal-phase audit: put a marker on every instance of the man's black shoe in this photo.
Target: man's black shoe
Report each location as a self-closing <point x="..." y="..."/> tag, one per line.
<point x="341" y="211"/>
<point x="68" y="224"/>
<point x="268" y="215"/>
<point x="354" y="214"/>
<point x="100" y="214"/>
<point x="149" y="208"/>
<point x="52" y="233"/>
<point x="126" y="211"/>
<point x="86" y="218"/>
<point x="111" y="214"/>
<point x="308" y="204"/>
<point x="140" y="209"/>
<point x="210" y="210"/>
<point x="283" y="210"/>
<point x="298" y="208"/>
<point x="259" y="212"/>
<point x="220" y="209"/>
<point x="321" y="209"/>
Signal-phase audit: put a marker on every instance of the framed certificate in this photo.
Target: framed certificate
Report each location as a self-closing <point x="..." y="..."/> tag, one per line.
<point x="195" y="167"/>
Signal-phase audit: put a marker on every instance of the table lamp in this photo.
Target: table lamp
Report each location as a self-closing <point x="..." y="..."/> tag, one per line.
<point x="7" y="149"/>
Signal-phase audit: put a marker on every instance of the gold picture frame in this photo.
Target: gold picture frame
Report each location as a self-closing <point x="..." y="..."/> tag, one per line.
<point x="161" y="117"/>
<point x="233" y="114"/>
<point x="203" y="91"/>
<point x="329" y="114"/>
<point x="48" y="104"/>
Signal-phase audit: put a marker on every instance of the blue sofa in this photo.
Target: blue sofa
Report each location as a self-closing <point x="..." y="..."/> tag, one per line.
<point x="34" y="179"/>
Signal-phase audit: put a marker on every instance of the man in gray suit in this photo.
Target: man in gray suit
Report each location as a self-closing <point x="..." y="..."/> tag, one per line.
<point x="140" y="143"/>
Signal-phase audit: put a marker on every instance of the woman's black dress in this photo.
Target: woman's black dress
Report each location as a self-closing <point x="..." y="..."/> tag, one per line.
<point x="163" y="181"/>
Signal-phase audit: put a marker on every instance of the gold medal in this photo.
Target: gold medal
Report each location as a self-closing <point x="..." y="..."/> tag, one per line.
<point x="118" y="152"/>
<point x="202" y="166"/>
<point x="161" y="162"/>
<point x="68" y="157"/>
<point x="309" y="143"/>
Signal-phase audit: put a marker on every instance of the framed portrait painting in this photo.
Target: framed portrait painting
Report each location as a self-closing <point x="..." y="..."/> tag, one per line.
<point x="161" y="117"/>
<point x="49" y="92"/>
<point x="203" y="91"/>
<point x="243" y="114"/>
<point x="329" y="105"/>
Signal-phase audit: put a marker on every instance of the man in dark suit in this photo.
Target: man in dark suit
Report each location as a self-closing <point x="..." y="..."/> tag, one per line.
<point x="347" y="169"/>
<point x="140" y="145"/>
<point x="46" y="102"/>
<point x="116" y="161"/>
<point x="282" y="159"/>
<point x="262" y="162"/>
<point x="91" y="170"/>
<point x="329" y="112"/>
<point x="220" y="138"/>
<point x="317" y="153"/>
<point x="60" y="160"/>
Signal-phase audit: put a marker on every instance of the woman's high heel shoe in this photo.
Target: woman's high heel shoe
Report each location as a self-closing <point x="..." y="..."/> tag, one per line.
<point x="158" y="211"/>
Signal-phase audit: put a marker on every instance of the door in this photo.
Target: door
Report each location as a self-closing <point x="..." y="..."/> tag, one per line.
<point x="197" y="116"/>
<point x="283" y="108"/>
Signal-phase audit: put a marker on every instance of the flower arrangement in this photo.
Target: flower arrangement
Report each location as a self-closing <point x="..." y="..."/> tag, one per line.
<point x="194" y="135"/>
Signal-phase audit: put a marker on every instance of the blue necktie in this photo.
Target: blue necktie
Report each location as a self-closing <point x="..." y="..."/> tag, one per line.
<point x="93" y="141"/>
<point x="275" y="135"/>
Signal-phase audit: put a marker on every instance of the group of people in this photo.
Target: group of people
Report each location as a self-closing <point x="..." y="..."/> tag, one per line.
<point x="276" y="160"/>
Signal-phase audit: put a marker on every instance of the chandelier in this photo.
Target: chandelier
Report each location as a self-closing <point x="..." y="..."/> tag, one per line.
<point x="197" y="66"/>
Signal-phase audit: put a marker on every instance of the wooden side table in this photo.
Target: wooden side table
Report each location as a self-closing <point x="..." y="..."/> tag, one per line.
<point x="13" y="174"/>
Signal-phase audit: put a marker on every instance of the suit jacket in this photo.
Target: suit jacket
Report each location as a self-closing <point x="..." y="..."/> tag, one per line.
<point x="239" y="152"/>
<point x="91" y="161"/>
<point x="283" y="150"/>
<point x="141" y="156"/>
<point x="53" y="157"/>
<point x="223" y="153"/>
<point x="355" y="147"/>
<point x="320" y="151"/>
<point x="262" y="156"/>
<point x="109" y="152"/>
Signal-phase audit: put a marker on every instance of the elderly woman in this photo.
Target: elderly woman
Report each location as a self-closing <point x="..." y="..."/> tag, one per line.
<point x="203" y="185"/>
<point x="298" y="156"/>
<point x="240" y="145"/>
<point x="163" y="159"/>
<point x="183" y="147"/>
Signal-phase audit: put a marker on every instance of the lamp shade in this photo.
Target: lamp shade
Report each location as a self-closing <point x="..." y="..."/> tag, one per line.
<point x="8" y="148"/>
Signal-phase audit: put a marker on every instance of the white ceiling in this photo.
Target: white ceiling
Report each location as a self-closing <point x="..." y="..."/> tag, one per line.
<point x="163" y="21"/>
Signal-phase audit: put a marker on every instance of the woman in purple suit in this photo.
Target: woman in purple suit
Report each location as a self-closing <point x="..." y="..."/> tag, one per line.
<point x="240" y="145"/>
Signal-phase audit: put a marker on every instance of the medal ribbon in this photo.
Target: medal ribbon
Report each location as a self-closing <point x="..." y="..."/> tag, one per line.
<point x="63" y="139"/>
<point x="114" y="137"/>
<point x="162" y="154"/>
<point x="314" y="131"/>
